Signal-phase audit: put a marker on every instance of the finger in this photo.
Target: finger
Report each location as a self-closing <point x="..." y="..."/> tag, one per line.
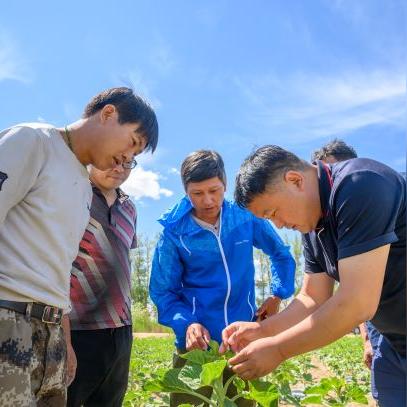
<point x="236" y="341"/>
<point x="232" y="338"/>
<point x="201" y="343"/>
<point x="228" y="331"/>
<point x="206" y="336"/>
<point x="260" y="310"/>
<point x="247" y="375"/>
<point x="240" y="357"/>
<point x="244" y="370"/>
<point x="262" y="316"/>
<point x="223" y="348"/>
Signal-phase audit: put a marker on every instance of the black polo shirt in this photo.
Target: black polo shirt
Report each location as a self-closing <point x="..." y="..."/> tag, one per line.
<point x="364" y="207"/>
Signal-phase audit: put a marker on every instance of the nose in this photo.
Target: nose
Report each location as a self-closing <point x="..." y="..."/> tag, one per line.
<point x="119" y="168"/>
<point x="207" y="199"/>
<point x="128" y="156"/>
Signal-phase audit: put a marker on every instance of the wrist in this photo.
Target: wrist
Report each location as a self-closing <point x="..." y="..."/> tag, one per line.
<point x="266" y="328"/>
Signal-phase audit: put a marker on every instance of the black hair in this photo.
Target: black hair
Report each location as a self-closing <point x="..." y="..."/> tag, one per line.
<point x="335" y="148"/>
<point x="262" y="170"/>
<point x="201" y="165"/>
<point x="131" y="108"/>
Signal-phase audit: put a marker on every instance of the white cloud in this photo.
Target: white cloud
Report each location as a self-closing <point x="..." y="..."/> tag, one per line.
<point x="174" y="170"/>
<point x="12" y="64"/>
<point x="304" y="107"/>
<point x="145" y="184"/>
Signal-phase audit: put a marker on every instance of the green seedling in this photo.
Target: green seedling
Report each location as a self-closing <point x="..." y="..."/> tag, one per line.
<point x="205" y="368"/>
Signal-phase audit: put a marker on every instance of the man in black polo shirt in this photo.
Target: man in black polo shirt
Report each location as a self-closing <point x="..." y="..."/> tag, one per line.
<point x="353" y="219"/>
<point x="334" y="151"/>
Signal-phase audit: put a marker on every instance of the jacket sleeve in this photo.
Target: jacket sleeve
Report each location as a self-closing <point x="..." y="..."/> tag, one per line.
<point x="282" y="271"/>
<point x="166" y="287"/>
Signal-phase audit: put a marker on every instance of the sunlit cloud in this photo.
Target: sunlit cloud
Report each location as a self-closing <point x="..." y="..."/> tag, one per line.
<point x="12" y="64"/>
<point x="174" y="171"/>
<point x="306" y="107"/>
<point x="145" y="184"/>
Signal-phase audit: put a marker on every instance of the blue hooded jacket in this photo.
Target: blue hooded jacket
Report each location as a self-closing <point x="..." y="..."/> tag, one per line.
<point x="198" y="276"/>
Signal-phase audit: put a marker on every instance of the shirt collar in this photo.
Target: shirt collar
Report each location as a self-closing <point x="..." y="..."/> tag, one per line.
<point x="325" y="186"/>
<point x="121" y="196"/>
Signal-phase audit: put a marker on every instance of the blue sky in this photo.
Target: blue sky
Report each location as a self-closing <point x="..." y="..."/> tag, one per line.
<point x="224" y="75"/>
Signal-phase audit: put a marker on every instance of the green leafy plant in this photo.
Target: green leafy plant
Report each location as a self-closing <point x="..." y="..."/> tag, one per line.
<point x="333" y="391"/>
<point x="205" y="368"/>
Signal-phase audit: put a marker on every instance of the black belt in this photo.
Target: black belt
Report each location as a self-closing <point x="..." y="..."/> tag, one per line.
<point x="45" y="313"/>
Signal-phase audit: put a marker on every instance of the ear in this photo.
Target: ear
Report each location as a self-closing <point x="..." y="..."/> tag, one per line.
<point x="295" y="179"/>
<point x="107" y="112"/>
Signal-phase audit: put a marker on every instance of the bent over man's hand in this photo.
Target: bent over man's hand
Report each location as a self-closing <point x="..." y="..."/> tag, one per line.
<point x="257" y="359"/>
<point x="239" y="334"/>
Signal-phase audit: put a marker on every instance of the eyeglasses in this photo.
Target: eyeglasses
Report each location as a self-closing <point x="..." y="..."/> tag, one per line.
<point x="129" y="165"/>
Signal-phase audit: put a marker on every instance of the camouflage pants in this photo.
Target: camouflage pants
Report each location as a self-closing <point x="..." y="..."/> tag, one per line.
<point x="32" y="362"/>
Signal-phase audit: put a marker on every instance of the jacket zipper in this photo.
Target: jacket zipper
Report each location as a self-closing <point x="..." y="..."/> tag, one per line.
<point x="225" y="306"/>
<point x="250" y="305"/>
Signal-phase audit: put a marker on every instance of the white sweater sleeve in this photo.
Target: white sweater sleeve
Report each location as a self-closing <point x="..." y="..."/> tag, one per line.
<point x="21" y="159"/>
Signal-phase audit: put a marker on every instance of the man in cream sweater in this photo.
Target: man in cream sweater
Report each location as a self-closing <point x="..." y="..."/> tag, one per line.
<point x="45" y="197"/>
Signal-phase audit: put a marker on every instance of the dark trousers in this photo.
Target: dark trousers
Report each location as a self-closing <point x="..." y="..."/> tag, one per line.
<point x="103" y="367"/>
<point x="389" y="370"/>
<point x="176" y="399"/>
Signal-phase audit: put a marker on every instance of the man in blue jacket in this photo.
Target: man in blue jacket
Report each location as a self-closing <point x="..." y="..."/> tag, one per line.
<point x="203" y="274"/>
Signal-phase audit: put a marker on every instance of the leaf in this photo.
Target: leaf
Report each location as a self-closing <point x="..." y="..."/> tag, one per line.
<point x="357" y="394"/>
<point x="307" y="377"/>
<point x="239" y="383"/>
<point x="213" y="347"/>
<point x="186" y="405"/>
<point x="264" y="393"/>
<point x="314" y="399"/>
<point x="228" y="354"/>
<point x="190" y="375"/>
<point x="229" y="403"/>
<point x="199" y="357"/>
<point x="212" y="371"/>
<point x="168" y="383"/>
<point x="320" y="389"/>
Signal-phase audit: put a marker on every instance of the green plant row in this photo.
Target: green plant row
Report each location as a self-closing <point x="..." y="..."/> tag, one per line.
<point x="152" y="378"/>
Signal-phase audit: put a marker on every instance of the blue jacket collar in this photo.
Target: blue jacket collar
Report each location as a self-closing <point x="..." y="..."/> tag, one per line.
<point x="178" y="219"/>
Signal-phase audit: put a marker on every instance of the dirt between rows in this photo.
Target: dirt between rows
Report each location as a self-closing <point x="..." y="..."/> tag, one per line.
<point x="320" y="371"/>
<point x="142" y="335"/>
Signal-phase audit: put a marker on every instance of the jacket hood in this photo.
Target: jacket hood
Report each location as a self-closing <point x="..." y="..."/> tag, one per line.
<point x="177" y="212"/>
<point x="176" y="220"/>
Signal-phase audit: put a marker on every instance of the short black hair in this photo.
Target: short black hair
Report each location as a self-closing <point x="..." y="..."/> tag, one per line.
<point x="336" y="148"/>
<point x="131" y="108"/>
<point x="202" y="165"/>
<point x="263" y="169"/>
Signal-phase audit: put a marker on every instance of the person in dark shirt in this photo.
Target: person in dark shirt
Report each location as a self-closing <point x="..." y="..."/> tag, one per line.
<point x="100" y="318"/>
<point x="353" y="219"/>
<point x="332" y="152"/>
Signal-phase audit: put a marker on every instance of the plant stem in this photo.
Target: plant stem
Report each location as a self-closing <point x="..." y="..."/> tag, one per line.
<point x="198" y="395"/>
<point x="227" y="384"/>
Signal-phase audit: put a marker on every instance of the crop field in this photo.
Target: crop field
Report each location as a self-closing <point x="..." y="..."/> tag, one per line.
<point x="333" y="376"/>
